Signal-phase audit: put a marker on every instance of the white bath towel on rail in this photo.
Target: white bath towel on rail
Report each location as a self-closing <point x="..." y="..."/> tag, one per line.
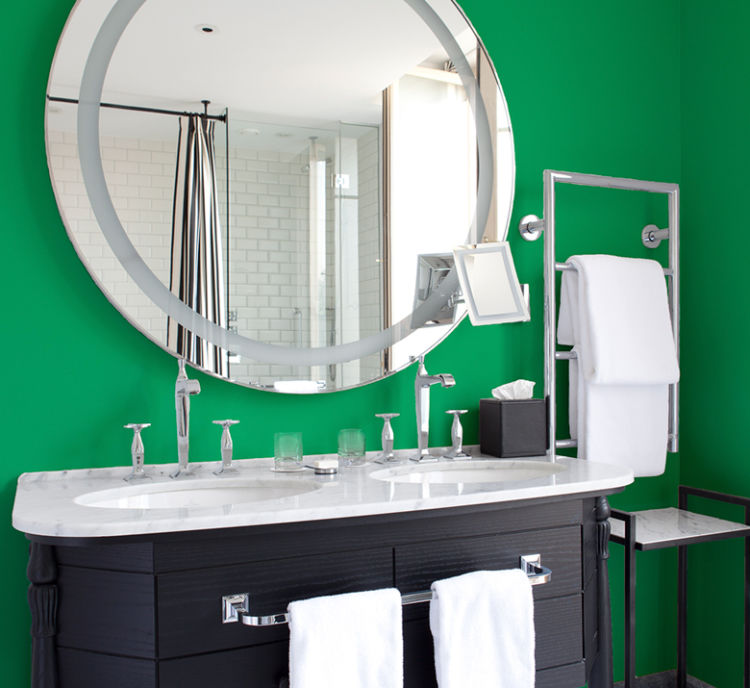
<point x="352" y="640"/>
<point x="482" y="624"/>
<point x="614" y="312"/>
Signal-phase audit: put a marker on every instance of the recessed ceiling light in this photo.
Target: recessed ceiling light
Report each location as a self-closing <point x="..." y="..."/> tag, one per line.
<point x="250" y="130"/>
<point x="206" y="28"/>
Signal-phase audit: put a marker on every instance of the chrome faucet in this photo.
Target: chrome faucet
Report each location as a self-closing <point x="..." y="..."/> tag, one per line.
<point x="422" y="392"/>
<point x="184" y="388"/>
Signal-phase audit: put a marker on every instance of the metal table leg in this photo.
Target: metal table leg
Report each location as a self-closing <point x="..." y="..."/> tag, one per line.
<point x="682" y="617"/>
<point x="747" y="602"/>
<point x="630" y="574"/>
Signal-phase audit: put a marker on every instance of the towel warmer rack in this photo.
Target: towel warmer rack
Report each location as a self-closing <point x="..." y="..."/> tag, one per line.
<point x="235" y="607"/>
<point x="531" y="228"/>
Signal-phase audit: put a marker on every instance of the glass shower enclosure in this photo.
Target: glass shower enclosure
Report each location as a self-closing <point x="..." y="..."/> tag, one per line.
<point x="304" y="246"/>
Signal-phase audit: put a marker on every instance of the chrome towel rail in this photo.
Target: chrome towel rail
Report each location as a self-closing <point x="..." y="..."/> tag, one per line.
<point x="236" y="608"/>
<point x="531" y="228"/>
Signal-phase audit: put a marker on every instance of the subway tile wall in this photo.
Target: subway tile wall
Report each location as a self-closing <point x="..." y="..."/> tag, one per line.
<point x="268" y="238"/>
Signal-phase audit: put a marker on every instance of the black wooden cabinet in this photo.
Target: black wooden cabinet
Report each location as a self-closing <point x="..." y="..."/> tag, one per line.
<point x="145" y="611"/>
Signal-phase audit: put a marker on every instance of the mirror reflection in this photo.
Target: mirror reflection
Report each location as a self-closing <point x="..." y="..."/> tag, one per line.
<point x="336" y="152"/>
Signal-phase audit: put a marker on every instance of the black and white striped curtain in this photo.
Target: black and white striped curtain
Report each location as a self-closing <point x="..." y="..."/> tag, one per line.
<point x="197" y="272"/>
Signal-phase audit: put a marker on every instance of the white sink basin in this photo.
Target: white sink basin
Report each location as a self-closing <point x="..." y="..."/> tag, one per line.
<point x="481" y="471"/>
<point x="195" y="493"/>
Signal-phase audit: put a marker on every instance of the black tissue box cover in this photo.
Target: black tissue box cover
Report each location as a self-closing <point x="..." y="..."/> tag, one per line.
<point x="513" y="427"/>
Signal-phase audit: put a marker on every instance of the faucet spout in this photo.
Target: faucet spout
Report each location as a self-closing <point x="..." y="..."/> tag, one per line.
<point x="422" y="386"/>
<point x="184" y="388"/>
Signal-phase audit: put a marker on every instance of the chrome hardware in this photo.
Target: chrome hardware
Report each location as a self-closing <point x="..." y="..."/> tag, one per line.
<point x="387" y="437"/>
<point x="137" y="450"/>
<point x="652" y="236"/>
<point x="234" y="605"/>
<point x="422" y="386"/>
<point x="317" y="470"/>
<point x="457" y="452"/>
<point x="235" y="608"/>
<point x="327" y="467"/>
<point x="184" y="388"/>
<point x="531" y="227"/>
<point x="226" y="445"/>
<point x="531" y="565"/>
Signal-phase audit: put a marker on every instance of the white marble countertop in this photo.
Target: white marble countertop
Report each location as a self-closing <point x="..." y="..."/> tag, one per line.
<point x="50" y="503"/>
<point x="669" y="527"/>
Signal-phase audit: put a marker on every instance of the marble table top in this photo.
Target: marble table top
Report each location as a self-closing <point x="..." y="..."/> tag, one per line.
<point x="659" y="528"/>
<point x="55" y="503"/>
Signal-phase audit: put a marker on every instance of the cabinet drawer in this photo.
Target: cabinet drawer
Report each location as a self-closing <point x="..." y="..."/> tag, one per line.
<point x="106" y="611"/>
<point x="558" y="657"/>
<point x="418" y="565"/>
<point x="568" y="676"/>
<point x="83" y="669"/>
<point x="261" y="666"/>
<point x="189" y="603"/>
<point x="557" y="624"/>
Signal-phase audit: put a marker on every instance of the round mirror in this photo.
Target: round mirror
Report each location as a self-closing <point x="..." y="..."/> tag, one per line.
<point x="273" y="190"/>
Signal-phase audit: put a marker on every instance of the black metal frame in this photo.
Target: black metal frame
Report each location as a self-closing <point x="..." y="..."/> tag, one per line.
<point x="630" y="543"/>
<point x="139" y="108"/>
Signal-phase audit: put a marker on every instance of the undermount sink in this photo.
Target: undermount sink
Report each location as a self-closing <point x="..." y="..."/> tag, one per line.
<point x="481" y="471"/>
<point x="194" y="493"/>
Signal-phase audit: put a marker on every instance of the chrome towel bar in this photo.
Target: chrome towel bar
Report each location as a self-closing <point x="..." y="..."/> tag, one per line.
<point x="532" y="227"/>
<point x="236" y="608"/>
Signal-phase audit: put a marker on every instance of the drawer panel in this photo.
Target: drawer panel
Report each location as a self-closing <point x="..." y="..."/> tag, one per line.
<point x="81" y="669"/>
<point x="559" y="636"/>
<point x="568" y="676"/>
<point x="189" y="603"/>
<point x="557" y="622"/>
<point x="418" y="565"/>
<point x="110" y="555"/>
<point x="106" y="611"/>
<point x="263" y="666"/>
<point x="202" y="549"/>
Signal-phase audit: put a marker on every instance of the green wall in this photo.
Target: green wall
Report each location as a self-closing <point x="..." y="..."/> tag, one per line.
<point x="592" y="87"/>
<point x="715" y="149"/>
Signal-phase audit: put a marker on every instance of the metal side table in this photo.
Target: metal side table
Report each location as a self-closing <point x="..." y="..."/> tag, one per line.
<point x="660" y="528"/>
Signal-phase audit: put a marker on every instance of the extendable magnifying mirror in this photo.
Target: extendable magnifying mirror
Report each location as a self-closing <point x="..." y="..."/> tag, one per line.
<point x="489" y="284"/>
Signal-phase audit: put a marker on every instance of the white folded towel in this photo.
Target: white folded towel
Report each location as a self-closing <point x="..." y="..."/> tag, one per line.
<point x="614" y="311"/>
<point x="482" y="624"/>
<point x="347" y="641"/>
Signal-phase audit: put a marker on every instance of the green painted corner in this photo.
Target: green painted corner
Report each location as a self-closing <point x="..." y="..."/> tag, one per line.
<point x="641" y="89"/>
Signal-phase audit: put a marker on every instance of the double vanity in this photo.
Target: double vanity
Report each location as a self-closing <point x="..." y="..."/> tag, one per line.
<point x="340" y="246"/>
<point x="128" y="578"/>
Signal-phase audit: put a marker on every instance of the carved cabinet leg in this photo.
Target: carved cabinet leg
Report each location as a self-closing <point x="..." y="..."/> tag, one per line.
<point x="42" y="574"/>
<point x="601" y="672"/>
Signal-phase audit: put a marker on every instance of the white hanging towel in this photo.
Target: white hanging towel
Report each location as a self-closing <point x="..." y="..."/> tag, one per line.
<point x="482" y="624"/>
<point x="347" y="641"/>
<point x="614" y="312"/>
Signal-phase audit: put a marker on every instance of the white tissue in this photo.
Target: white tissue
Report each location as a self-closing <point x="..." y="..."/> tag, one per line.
<point x="518" y="389"/>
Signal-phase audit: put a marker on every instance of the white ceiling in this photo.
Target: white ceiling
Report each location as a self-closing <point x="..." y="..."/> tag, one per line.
<point x="311" y="61"/>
